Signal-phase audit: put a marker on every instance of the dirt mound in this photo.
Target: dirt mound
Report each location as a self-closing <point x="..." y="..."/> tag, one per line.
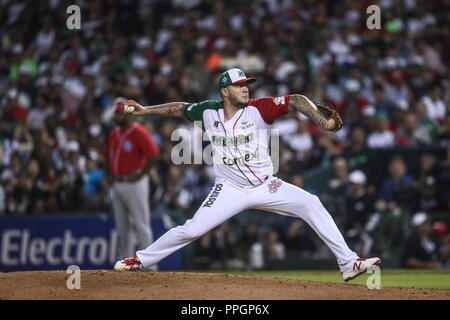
<point x="107" y="284"/>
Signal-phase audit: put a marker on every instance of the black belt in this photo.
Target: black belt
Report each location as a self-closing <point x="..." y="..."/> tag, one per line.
<point x="131" y="177"/>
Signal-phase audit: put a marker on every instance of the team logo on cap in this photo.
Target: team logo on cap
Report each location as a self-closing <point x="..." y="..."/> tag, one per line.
<point x="241" y="73"/>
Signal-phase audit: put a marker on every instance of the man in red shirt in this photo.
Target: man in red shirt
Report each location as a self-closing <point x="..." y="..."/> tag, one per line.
<point x="130" y="153"/>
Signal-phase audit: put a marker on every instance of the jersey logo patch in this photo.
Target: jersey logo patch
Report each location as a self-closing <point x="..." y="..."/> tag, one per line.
<point x="274" y="185"/>
<point x="191" y="106"/>
<point x="127" y="145"/>
<point x="278" y="100"/>
<point x="246" y="125"/>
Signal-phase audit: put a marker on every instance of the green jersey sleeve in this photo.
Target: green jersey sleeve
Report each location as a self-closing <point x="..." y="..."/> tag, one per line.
<point x="194" y="111"/>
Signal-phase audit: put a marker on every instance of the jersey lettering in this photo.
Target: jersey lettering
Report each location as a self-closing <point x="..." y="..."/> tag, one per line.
<point x="232" y="141"/>
<point x="213" y="195"/>
<point x="246" y="158"/>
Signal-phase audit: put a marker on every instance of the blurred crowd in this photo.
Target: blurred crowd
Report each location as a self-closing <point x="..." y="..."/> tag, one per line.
<point x="390" y="86"/>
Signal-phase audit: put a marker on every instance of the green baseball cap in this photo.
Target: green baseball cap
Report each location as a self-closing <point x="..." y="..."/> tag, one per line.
<point x="233" y="76"/>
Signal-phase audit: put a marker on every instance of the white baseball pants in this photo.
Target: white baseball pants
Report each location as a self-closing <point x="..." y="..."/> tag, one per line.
<point x="226" y="200"/>
<point x="131" y="212"/>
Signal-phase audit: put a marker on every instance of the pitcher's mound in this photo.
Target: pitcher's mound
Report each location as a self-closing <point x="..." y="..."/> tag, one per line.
<point x="107" y="284"/>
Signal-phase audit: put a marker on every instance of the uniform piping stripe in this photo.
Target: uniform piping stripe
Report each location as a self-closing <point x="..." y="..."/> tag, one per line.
<point x="225" y="132"/>
<point x="237" y="146"/>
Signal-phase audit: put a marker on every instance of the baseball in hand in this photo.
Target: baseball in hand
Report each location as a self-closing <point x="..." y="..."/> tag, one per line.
<point x="128" y="109"/>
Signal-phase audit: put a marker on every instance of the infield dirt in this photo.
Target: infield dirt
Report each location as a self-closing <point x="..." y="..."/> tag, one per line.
<point x="107" y="284"/>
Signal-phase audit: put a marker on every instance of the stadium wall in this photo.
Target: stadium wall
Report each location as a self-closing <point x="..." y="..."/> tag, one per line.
<point x="55" y="242"/>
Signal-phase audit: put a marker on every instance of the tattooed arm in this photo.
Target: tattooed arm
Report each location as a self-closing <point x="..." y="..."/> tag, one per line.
<point x="172" y="109"/>
<point x="304" y="105"/>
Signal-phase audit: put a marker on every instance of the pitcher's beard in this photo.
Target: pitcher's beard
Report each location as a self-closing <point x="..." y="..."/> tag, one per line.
<point x="239" y="104"/>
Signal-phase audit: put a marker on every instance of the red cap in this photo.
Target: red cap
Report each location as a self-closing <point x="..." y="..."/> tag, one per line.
<point x="119" y="104"/>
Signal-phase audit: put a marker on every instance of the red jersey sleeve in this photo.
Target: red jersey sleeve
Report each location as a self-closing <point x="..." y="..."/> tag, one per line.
<point x="147" y="145"/>
<point x="271" y="108"/>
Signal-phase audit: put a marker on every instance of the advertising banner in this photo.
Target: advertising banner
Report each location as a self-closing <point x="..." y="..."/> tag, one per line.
<point x="55" y="242"/>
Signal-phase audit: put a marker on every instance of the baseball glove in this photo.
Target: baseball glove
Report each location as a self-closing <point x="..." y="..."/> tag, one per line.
<point x="330" y="113"/>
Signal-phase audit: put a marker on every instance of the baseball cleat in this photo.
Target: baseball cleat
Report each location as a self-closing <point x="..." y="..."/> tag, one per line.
<point x="129" y="264"/>
<point x="359" y="267"/>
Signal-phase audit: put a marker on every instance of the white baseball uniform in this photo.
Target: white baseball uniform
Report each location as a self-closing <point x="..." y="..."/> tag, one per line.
<point x="244" y="180"/>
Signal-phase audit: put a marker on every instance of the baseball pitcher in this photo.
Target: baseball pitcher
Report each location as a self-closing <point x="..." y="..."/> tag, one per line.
<point x="239" y="131"/>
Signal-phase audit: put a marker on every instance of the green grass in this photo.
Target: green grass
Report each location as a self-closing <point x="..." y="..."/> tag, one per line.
<point x="426" y="279"/>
